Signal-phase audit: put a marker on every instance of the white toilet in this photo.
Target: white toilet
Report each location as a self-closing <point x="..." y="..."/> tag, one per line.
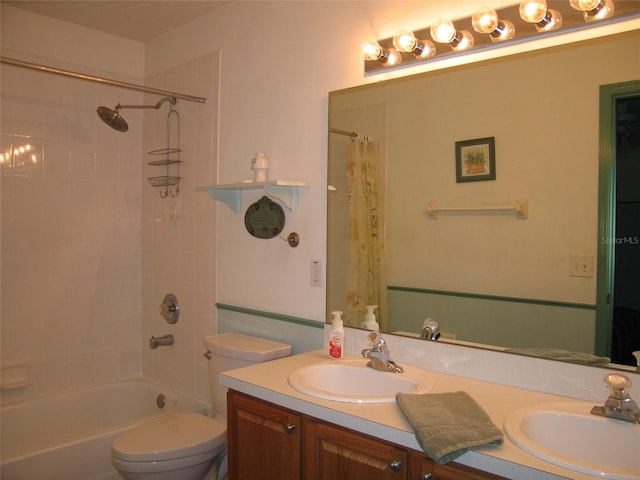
<point x="192" y="446"/>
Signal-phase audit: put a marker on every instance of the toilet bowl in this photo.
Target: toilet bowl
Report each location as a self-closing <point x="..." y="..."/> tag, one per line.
<point x="182" y="447"/>
<point x="191" y="446"/>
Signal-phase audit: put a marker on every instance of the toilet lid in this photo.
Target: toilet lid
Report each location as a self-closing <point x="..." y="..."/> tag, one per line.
<point x="170" y="437"/>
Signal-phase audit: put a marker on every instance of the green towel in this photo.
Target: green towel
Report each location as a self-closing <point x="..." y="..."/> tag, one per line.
<point x="559" y="354"/>
<point x="448" y="424"/>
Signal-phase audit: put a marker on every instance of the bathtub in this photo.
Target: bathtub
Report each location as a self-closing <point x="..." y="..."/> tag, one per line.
<point x="69" y="435"/>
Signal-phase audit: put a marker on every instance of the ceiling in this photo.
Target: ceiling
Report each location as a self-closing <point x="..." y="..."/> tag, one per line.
<point x="140" y="20"/>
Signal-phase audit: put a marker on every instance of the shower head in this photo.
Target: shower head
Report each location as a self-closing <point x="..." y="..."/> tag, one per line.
<point x="113" y="118"/>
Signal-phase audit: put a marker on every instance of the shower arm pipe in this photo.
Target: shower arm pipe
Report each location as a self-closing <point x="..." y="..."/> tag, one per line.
<point x="104" y="81"/>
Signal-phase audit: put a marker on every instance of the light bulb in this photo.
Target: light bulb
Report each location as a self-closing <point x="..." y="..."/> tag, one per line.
<point x="371" y="50"/>
<point x="462" y="41"/>
<point x="405" y="41"/>
<point x="393" y="57"/>
<point x="386" y="56"/>
<point x="584" y="5"/>
<point x="442" y="30"/>
<point x="486" y="20"/>
<point x="536" y="12"/>
<point x="533" y="11"/>
<point x="594" y="9"/>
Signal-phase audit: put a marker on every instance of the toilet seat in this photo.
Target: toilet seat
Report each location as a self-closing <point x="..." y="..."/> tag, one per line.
<point x="171" y="437"/>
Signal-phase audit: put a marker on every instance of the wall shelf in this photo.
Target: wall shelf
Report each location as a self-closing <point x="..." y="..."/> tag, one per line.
<point x="284" y="190"/>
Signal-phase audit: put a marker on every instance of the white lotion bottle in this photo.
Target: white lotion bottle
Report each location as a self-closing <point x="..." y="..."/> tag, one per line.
<point x="336" y="336"/>
<point x="370" y="322"/>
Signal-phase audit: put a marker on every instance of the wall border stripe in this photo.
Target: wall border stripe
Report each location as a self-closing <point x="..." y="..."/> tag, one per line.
<point x="274" y="316"/>
<point x="531" y="301"/>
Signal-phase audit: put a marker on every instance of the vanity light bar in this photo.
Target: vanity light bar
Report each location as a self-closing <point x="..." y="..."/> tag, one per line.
<point x="492" y="28"/>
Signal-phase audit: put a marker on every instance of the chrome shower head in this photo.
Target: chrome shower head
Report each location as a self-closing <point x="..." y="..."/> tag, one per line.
<point x="113" y="118"/>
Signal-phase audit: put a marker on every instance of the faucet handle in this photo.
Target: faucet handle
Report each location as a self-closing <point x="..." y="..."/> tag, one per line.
<point x="375" y="338"/>
<point x="620" y="385"/>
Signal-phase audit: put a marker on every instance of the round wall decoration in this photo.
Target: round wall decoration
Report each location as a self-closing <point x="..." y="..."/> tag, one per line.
<point x="264" y="218"/>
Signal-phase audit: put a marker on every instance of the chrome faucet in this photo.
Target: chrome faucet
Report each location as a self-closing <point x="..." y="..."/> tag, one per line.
<point x="430" y="330"/>
<point x="155" y="342"/>
<point x="619" y="405"/>
<point x="378" y="354"/>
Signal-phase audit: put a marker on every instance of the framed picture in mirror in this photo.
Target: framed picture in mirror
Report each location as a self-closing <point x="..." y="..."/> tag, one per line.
<point x="476" y="160"/>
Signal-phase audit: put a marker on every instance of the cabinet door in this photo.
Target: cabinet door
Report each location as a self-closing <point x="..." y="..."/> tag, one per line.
<point x="333" y="453"/>
<point x="423" y="468"/>
<point x="263" y="439"/>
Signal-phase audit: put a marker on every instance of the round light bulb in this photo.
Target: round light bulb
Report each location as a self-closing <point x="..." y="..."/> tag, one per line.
<point x="485" y="20"/>
<point x="464" y="41"/>
<point x="533" y="11"/>
<point x="427" y="49"/>
<point x="603" y="9"/>
<point x="442" y="30"/>
<point x="584" y="5"/>
<point x="405" y="41"/>
<point x="393" y="57"/>
<point x="371" y="50"/>
<point x="553" y="21"/>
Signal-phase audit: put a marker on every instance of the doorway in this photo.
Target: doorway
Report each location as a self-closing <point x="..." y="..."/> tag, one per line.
<point x="617" y="303"/>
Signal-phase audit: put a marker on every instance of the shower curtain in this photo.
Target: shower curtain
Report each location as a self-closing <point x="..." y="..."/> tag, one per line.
<point x="366" y="272"/>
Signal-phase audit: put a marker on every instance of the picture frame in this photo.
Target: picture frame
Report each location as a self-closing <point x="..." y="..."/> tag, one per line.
<point x="476" y="160"/>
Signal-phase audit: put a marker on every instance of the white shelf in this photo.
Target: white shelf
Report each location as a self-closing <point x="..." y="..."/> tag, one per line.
<point x="284" y="190"/>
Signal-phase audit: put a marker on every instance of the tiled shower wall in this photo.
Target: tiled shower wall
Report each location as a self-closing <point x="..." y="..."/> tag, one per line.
<point x="71" y="236"/>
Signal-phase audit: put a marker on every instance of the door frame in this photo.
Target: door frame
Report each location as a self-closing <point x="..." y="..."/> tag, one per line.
<point x="609" y="94"/>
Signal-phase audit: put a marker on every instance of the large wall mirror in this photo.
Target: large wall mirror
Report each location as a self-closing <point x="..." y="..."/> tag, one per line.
<point x="490" y="278"/>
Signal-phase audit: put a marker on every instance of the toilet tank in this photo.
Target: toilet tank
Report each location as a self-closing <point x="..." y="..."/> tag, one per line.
<point x="235" y="350"/>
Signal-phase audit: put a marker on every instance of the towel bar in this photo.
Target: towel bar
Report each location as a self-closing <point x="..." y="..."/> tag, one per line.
<point x="521" y="209"/>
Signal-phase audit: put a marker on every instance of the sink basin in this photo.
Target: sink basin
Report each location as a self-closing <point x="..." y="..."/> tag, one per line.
<point x="353" y="382"/>
<point x="569" y="436"/>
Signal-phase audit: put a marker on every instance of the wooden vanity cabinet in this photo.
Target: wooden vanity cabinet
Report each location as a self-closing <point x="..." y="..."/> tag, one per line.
<point x="268" y="442"/>
<point x="263" y="440"/>
<point x="332" y="453"/>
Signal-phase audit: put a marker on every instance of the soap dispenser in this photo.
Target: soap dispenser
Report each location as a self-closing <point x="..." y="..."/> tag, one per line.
<point x="336" y="336"/>
<point x="370" y="319"/>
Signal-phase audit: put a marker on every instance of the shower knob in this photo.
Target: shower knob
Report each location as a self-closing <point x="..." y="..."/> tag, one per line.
<point x="169" y="308"/>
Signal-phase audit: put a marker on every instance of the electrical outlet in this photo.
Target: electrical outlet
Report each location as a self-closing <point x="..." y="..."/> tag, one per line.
<point x="581" y="266"/>
<point x="316" y="273"/>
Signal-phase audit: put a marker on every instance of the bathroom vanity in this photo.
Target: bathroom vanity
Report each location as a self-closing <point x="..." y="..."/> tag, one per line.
<point x="270" y="442"/>
<point x="276" y="431"/>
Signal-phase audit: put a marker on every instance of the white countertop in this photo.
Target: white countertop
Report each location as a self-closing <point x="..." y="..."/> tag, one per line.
<point x="268" y="381"/>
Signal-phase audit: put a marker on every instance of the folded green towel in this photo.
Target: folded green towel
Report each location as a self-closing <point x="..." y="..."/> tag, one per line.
<point x="448" y="424"/>
<point x="559" y="354"/>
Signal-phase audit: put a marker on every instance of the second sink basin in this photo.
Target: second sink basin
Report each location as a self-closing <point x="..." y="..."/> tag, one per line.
<point x="353" y="382"/>
<point x="569" y="436"/>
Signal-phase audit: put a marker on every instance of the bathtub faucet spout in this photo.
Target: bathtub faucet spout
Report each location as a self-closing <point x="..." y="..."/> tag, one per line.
<point x="155" y="342"/>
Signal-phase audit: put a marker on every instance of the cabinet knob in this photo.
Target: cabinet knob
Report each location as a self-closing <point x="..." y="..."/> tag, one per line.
<point x="425" y="476"/>
<point x="395" y="465"/>
<point x="289" y="427"/>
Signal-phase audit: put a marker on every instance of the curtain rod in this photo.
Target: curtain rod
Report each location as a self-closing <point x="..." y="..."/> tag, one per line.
<point x="105" y="81"/>
<point x="343" y="132"/>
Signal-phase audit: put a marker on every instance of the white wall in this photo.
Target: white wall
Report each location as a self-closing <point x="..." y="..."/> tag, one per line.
<point x="279" y="61"/>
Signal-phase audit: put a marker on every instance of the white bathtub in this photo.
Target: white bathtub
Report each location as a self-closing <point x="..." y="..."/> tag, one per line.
<point x="69" y="435"/>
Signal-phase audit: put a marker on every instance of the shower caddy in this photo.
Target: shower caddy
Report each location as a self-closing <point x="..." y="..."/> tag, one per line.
<point x="171" y="156"/>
